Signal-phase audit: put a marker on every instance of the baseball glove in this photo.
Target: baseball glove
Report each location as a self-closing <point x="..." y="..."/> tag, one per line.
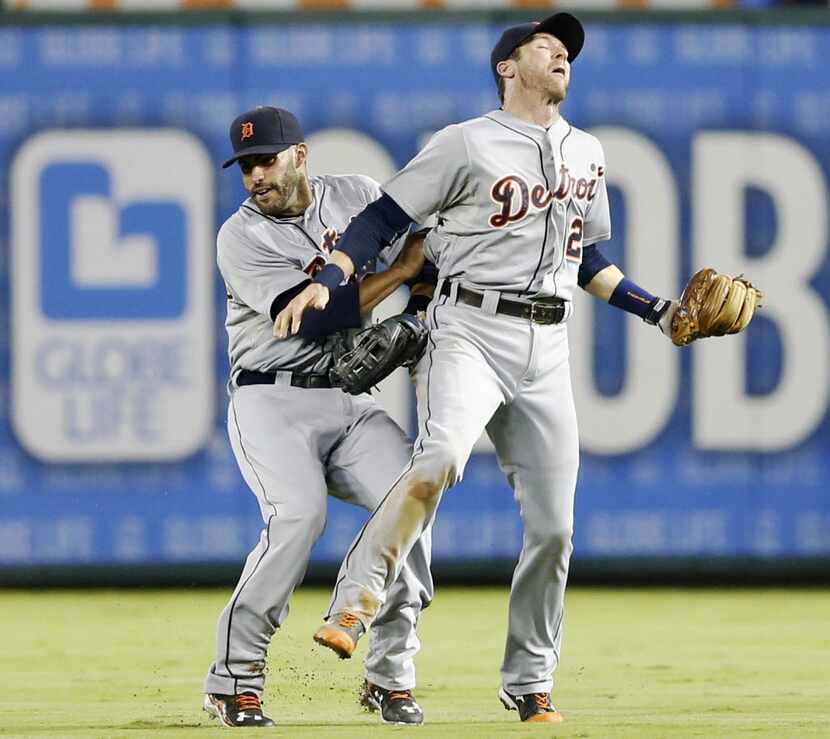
<point x="713" y="304"/>
<point x="399" y="341"/>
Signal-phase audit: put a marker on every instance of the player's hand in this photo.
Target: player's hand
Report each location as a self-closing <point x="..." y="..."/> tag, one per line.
<point x="410" y="261"/>
<point x="664" y="324"/>
<point x="288" y="320"/>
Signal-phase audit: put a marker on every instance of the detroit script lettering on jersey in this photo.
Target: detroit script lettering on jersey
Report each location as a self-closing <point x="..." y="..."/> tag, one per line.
<point x="327" y="244"/>
<point x="515" y="196"/>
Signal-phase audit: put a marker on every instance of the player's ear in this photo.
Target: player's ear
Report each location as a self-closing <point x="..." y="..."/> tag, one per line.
<point x="507" y="68"/>
<point x="300" y="155"/>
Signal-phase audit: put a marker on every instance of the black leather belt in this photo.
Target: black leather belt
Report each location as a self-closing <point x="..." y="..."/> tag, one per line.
<point x="249" y="377"/>
<point x="544" y="312"/>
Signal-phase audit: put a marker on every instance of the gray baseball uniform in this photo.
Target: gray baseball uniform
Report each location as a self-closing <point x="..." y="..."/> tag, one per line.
<point x="516" y="204"/>
<point x="294" y="445"/>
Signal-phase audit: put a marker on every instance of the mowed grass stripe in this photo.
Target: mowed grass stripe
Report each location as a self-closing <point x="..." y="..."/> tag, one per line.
<point x="635" y="663"/>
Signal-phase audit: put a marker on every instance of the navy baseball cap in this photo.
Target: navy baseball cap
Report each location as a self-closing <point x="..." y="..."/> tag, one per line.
<point x="263" y="130"/>
<point x="563" y="26"/>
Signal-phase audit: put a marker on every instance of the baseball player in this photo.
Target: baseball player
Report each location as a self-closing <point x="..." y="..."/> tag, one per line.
<point x="295" y="437"/>
<point x="521" y="201"/>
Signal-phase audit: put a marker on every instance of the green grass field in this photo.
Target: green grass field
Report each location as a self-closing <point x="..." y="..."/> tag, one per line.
<point x="636" y="663"/>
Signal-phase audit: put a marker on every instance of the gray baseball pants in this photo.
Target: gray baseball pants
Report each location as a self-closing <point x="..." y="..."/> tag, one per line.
<point x="510" y="376"/>
<point x="295" y="446"/>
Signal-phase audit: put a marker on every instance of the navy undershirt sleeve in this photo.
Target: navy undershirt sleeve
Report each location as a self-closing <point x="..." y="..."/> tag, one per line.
<point x="285" y="298"/>
<point x="377" y="225"/>
<point x="341" y="312"/>
<point x="593" y="262"/>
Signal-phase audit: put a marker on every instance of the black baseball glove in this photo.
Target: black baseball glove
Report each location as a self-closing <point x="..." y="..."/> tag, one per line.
<point x="399" y="341"/>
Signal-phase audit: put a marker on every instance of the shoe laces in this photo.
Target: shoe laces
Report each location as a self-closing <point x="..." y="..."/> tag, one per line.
<point x="347" y="620"/>
<point x="400" y="695"/>
<point x="543" y="701"/>
<point x="248" y="702"/>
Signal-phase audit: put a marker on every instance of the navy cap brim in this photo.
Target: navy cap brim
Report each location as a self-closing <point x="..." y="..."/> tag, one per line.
<point x="262" y="149"/>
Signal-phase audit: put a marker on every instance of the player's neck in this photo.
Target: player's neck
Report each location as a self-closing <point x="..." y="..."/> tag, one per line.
<point x="537" y="110"/>
<point x="301" y="200"/>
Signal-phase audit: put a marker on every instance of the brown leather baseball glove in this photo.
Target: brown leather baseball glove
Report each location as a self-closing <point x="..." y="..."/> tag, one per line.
<point x="713" y="304"/>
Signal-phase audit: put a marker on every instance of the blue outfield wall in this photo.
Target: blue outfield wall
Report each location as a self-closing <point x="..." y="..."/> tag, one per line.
<point x="112" y="358"/>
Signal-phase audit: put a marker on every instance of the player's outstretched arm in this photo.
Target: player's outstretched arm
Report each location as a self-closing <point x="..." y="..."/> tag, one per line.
<point x="604" y="280"/>
<point x="712" y="304"/>
<point x="603" y="284"/>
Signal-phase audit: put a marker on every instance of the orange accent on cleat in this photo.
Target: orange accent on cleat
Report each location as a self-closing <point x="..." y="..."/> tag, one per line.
<point x="336" y="640"/>
<point x="249" y="702"/>
<point x="348" y="620"/>
<point x="551" y="717"/>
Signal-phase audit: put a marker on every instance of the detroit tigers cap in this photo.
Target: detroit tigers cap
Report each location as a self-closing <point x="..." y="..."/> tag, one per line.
<point x="563" y="26"/>
<point x="263" y="130"/>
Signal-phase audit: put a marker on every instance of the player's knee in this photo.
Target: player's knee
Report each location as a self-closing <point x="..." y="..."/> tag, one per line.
<point x="445" y="463"/>
<point x="306" y="522"/>
<point x="316" y="522"/>
<point x="555" y="541"/>
<point x="429" y="487"/>
<point x="425" y="490"/>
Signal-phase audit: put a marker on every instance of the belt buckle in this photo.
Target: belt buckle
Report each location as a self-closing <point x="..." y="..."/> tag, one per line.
<point x="533" y="314"/>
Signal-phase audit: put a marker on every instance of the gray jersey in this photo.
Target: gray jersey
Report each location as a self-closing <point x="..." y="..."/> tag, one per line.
<point x="515" y="202"/>
<point x="260" y="257"/>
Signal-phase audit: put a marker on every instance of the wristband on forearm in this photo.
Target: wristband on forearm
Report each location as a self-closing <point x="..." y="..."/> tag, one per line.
<point x="331" y="276"/>
<point x="631" y="298"/>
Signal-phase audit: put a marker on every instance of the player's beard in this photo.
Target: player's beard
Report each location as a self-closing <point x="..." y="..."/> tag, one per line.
<point x="554" y="88"/>
<point x="558" y="92"/>
<point x="283" y="189"/>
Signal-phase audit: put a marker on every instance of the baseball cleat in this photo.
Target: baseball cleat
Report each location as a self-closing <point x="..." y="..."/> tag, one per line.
<point x="534" y="707"/>
<point x="340" y="633"/>
<point x="237" y="711"/>
<point x="394" y="706"/>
